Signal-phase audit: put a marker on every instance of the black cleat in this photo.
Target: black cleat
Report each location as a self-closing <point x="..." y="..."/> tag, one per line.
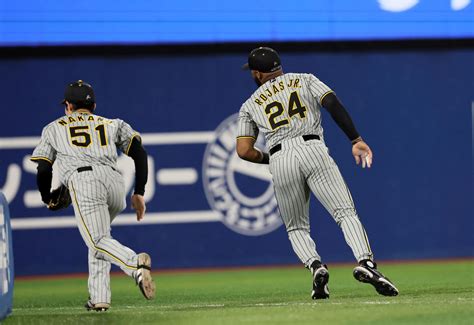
<point x="367" y="272"/>
<point x="320" y="281"/>
<point x="101" y="306"/>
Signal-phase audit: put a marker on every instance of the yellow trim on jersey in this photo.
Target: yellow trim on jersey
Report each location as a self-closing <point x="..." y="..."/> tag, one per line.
<point x="246" y="137"/>
<point x="324" y="95"/>
<point x="90" y="236"/>
<point x="41" y="158"/>
<point x="130" y="144"/>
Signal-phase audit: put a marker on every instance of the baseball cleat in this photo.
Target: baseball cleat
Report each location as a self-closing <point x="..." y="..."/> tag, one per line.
<point x="367" y="272"/>
<point x="101" y="306"/>
<point x="143" y="276"/>
<point x="320" y="281"/>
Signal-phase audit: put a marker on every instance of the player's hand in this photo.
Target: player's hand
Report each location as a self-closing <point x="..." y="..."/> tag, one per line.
<point x="138" y="203"/>
<point x="362" y="153"/>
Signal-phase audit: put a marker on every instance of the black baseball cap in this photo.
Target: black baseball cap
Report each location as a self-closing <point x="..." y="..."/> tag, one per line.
<point x="263" y="59"/>
<point x="79" y="92"/>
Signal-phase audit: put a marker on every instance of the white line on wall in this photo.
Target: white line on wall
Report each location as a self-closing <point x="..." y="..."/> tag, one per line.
<point x="19" y="142"/>
<point x="128" y="219"/>
<point x="178" y="137"/>
<point x="176" y="176"/>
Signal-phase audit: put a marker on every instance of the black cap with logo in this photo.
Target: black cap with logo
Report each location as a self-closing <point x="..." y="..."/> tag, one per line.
<point x="263" y="59"/>
<point x="79" y="92"/>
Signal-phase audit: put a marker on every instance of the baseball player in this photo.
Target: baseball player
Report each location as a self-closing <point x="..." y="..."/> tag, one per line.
<point x="83" y="148"/>
<point x="286" y="107"/>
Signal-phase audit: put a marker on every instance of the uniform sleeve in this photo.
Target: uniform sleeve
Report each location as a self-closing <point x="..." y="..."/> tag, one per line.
<point x="247" y="128"/>
<point x="318" y="88"/>
<point x="44" y="150"/>
<point x="125" y="135"/>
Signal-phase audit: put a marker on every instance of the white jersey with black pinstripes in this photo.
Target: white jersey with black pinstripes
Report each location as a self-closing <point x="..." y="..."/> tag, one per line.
<point x="97" y="193"/>
<point x="82" y="139"/>
<point x="285" y="107"/>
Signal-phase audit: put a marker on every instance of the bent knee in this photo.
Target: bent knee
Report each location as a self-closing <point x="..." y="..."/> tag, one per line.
<point x="342" y="214"/>
<point x="292" y="230"/>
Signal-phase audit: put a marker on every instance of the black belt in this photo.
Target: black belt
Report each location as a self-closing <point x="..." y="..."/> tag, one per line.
<point x="305" y="137"/>
<point x="83" y="169"/>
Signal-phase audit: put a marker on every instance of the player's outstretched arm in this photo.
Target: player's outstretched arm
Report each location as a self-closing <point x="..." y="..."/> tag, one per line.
<point x="360" y="149"/>
<point x="247" y="151"/>
<point x="340" y="115"/>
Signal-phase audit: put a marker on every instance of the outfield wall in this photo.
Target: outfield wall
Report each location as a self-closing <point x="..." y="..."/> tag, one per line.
<point x="414" y="107"/>
<point x="6" y="260"/>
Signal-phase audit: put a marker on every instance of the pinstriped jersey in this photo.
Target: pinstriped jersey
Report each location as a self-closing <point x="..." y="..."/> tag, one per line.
<point x="285" y="107"/>
<point x="83" y="139"/>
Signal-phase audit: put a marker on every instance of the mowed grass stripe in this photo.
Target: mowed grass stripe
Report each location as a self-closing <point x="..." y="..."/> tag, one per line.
<point x="430" y="293"/>
<point x="467" y="300"/>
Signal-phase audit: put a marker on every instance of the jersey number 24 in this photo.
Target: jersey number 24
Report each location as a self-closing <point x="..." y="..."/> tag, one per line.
<point x="294" y="108"/>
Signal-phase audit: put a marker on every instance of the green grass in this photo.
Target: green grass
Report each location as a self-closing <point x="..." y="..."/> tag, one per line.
<point x="441" y="293"/>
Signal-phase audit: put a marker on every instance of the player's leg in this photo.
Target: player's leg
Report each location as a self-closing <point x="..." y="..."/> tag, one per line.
<point x="89" y="198"/>
<point x="327" y="183"/>
<point x="116" y="203"/>
<point x="99" y="268"/>
<point x="292" y="195"/>
<point x="328" y="186"/>
<point x="99" y="280"/>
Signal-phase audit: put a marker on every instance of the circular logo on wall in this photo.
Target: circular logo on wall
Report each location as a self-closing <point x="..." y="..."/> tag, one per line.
<point x="242" y="192"/>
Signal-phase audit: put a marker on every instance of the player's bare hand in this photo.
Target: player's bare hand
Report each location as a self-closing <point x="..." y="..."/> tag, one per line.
<point x="138" y="203"/>
<point x="362" y="154"/>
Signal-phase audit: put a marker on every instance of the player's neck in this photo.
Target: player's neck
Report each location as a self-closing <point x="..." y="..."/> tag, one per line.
<point x="272" y="75"/>
<point x="82" y="110"/>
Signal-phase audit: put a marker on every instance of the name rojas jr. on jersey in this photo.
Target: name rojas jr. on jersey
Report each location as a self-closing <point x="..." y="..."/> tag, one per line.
<point x="267" y="93"/>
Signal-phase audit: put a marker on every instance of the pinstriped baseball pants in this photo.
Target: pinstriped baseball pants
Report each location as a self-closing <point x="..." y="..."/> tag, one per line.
<point x="98" y="196"/>
<point x="302" y="167"/>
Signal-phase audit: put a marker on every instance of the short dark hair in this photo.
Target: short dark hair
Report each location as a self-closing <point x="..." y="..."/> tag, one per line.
<point x="86" y="105"/>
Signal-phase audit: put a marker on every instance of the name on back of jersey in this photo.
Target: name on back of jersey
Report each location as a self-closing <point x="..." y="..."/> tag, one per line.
<point x="267" y="93"/>
<point x="82" y="118"/>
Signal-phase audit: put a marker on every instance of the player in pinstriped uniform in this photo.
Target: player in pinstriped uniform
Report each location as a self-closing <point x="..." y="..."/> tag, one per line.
<point x="286" y="108"/>
<point x="83" y="147"/>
